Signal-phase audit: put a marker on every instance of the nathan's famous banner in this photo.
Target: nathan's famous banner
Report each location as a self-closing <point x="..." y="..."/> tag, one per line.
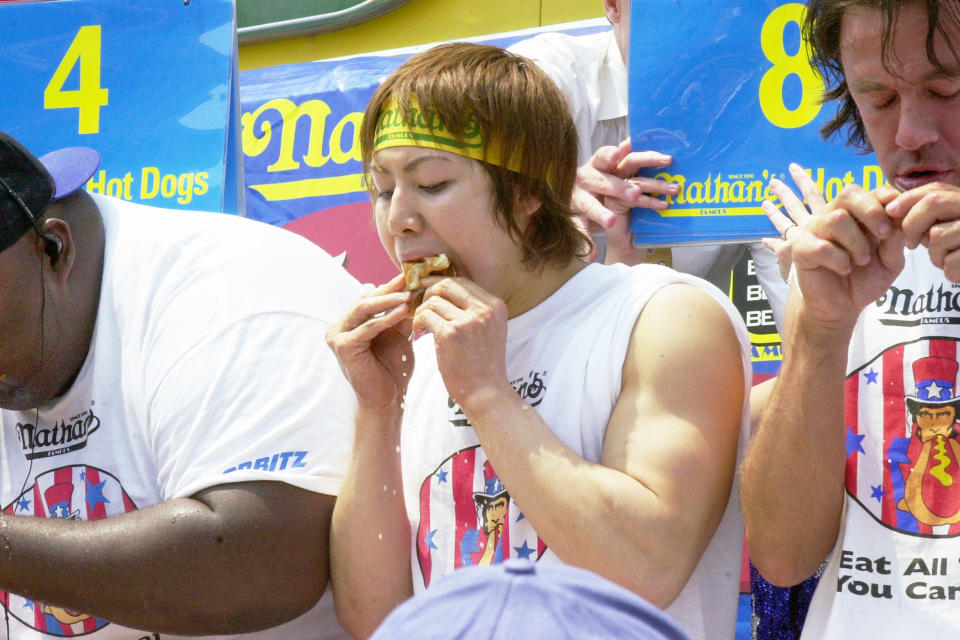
<point x="151" y="84"/>
<point x="727" y="89"/>
<point x="300" y="124"/>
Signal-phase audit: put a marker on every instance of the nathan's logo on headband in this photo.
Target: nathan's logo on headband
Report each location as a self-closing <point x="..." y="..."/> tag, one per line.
<point x="424" y="128"/>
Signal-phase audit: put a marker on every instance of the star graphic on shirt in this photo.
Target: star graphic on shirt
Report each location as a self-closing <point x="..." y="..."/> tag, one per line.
<point x="877" y="492"/>
<point x="853" y="442"/>
<point x="523" y="552"/>
<point x="23" y="504"/>
<point x="83" y="474"/>
<point x="871" y="376"/>
<point x="441" y="476"/>
<point x="934" y="390"/>
<point x="95" y="494"/>
<point x="429" y="540"/>
<point x="520" y="517"/>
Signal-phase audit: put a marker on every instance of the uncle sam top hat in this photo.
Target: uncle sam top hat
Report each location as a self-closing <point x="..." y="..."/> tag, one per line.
<point x="492" y="487"/>
<point x="936" y="379"/>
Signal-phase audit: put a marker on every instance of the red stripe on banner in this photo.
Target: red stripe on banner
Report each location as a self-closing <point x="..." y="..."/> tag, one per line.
<point x="423" y="530"/>
<point x="893" y="424"/>
<point x="851" y="407"/>
<point x="464" y="466"/>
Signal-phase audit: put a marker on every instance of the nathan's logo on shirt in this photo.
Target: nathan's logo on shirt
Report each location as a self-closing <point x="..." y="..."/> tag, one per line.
<point x="62" y="437"/>
<point x="78" y="492"/>
<point x="531" y="388"/>
<point x="902" y="423"/>
<point x="908" y="308"/>
<point x="468" y="518"/>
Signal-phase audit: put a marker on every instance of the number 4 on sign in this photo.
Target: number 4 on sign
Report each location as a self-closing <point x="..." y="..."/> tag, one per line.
<point x="84" y="52"/>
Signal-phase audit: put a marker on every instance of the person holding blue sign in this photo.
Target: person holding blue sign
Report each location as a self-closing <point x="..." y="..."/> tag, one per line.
<point x="173" y="435"/>
<point x="857" y="457"/>
<point x="546" y="409"/>
<point x="591" y="72"/>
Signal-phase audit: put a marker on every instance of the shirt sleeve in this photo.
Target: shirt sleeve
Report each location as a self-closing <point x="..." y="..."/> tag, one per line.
<point x="259" y="398"/>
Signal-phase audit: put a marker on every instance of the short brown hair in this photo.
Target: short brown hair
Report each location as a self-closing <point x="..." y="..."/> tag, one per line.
<point x="821" y="30"/>
<point x="516" y="105"/>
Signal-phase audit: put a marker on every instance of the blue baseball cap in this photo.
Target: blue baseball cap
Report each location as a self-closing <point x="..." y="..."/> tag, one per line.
<point x="520" y="599"/>
<point x="29" y="184"/>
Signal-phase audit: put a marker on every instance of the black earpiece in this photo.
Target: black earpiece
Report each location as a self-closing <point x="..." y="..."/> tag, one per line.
<point x="53" y="246"/>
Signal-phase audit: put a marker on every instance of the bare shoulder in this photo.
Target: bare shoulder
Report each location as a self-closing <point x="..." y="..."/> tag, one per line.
<point x="684" y="355"/>
<point x="682" y="317"/>
<point x="684" y="375"/>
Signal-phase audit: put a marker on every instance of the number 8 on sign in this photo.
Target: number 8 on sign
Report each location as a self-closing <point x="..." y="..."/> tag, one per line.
<point x="785" y="65"/>
<point x="84" y="52"/>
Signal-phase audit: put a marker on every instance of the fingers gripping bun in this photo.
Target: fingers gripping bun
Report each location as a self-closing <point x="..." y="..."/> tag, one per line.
<point x="438" y="265"/>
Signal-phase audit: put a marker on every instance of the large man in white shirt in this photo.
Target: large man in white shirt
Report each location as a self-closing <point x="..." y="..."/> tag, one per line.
<point x="173" y="429"/>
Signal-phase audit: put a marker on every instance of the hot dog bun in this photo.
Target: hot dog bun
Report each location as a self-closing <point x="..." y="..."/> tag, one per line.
<point x="438" y="265"/>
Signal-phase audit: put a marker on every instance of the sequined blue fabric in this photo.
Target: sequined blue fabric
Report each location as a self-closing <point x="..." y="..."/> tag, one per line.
<point x="778" y="613"/>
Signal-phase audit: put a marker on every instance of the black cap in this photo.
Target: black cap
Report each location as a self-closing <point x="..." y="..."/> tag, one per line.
<point x="22" y="177"/>
<point x="29" y="184"/>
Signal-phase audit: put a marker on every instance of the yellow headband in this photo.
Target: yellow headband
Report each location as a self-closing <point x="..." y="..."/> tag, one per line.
<point x="426" y="129"/>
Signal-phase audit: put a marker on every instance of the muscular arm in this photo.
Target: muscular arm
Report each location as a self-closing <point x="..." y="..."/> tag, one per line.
<point x="191" y="566"/>
<point x="668" y="457"/>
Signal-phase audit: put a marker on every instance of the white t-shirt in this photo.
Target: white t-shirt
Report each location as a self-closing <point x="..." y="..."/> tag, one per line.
<point x="895" y="569"/>
<point x="208" y="365"/>
<point x="565" y="359"/>
<point x="590" y="71"/>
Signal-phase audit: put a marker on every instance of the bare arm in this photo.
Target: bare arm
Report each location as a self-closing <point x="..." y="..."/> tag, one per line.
<point x="139" y="569"/>
<point x="370" y="533"/>
<point x="668" y="458"/>
<point x="370" y="537"/>
<point x="792" y="478"/>
<point x="792" y="482"/>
